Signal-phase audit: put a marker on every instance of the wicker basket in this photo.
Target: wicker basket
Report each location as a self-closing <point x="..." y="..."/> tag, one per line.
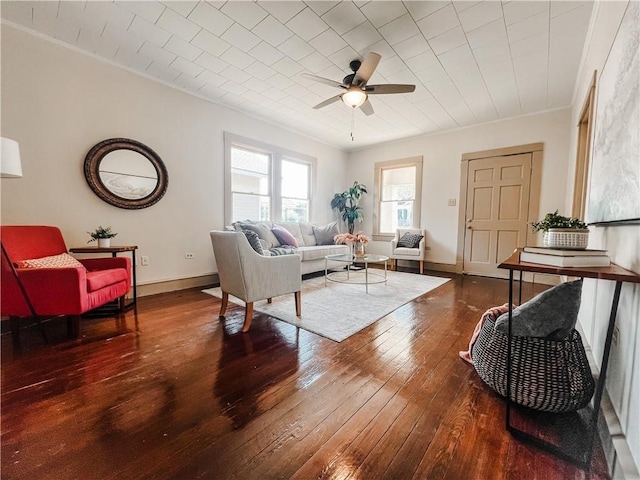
<point x="551" y="376"/>
<point x="566" y="238"/>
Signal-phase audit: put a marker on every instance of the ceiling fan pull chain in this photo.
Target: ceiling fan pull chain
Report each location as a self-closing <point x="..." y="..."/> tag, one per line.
<point x="353" y="121"/>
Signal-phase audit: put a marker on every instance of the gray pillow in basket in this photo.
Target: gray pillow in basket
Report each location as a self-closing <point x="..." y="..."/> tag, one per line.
<point x="551" y="314"/>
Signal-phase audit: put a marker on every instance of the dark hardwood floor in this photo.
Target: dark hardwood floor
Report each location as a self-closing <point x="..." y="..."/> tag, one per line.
<point x="173" y="392"/>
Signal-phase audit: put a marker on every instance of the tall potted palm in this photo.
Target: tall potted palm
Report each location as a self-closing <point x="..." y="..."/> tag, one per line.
<point x="347" y="204"/>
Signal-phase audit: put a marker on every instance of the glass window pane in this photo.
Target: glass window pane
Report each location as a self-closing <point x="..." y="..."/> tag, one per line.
<point x="398" y="183"/>
<point x="394" y="215"/>
<point x="295" y="210"/>
<point x="249" y="172"/>
<point x="295" y="179"/>
<point x="251" y="207"/>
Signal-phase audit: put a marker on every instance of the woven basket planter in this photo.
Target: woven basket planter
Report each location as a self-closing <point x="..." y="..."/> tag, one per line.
<point x="551" y="376"/>
<point x="566" y="238"/>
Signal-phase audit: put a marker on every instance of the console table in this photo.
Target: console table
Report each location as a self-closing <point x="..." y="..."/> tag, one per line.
<point x="612" y="273"/>
<point x="114" y="251"/>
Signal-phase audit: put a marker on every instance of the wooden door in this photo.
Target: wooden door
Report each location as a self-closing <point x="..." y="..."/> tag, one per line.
<point x="497" y="210"/>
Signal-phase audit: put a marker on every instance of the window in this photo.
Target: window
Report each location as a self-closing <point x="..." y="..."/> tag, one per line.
<point x="398" y="190"/>
<point x="251" y="191"/>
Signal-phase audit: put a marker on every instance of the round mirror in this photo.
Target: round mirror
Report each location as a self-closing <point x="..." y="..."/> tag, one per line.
<point x="126" y="173"/>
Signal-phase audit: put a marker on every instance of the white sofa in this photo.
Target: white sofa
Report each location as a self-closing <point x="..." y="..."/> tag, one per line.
<point x="311" y="254"/>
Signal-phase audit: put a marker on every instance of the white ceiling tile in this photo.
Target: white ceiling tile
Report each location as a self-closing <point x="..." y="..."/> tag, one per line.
<point x="89" y="41"/>
<point x="344" y="17"/>
<point x="187" y="67"/>
<point x="560" y="7"/>
<point x="307" y="24"/>
<point x="123" y="38"/>
<point x="518" y="11"/>
<point x="315" y="62"/>
<point x="342" y="58"/>
<point x="530" y="26"/>
<point x="17" y="12"/>
<point x="321" y="6"/>
<point x="70" y="11"/>
<point x="390" y="65"/>
<point x="272" y="31"/>
<point x="150" y="11"/>
<point x="380" y="13"/>
<point x="537" y="44"/>
<point x="240" y="37"/>
<point x="496" y="52"/>
<point x="266" y="53"/>
<point x="210" y="18"/>
<point x="362" y="36"/>
<point x="439" y="22"/>
<point x="463" y="5"/>
<point x="420" y="9"/>
<point x="163" y="72"/>
<point x="448" y="41"/>
<point x="412" y="47"/>
<point x="178" y="25"/>
<point x="282" y="10"/>
<point x="382" y="48"/>
<point x="280" y="81"/>
<point x="132" y="59"/>
<point x="182" y="48"/>
<point x="234" y="87"/>
<point x="455" y="57"/>
<point x="212" y="78"/>
<point x="274" y="94"/>
<point x="487" y="34"/>
<point x="260" y="70"/>
<point x="116" y="17"/>
<point x="423" y="61"/>
<point x="399" y="29"/>
<point x="237" y="58"/>
<point x="183" y="7"/>
<point x="210" y="43"/>
<point x="328" y="42"/>
<point x="159" y="55"/>
<point x="257" y="85"/>
<point x="149" y="31"/>
<point x="296" y="48"/>
<point x="189" y="83"/>
<point x="235" y="74"/>
<point x="479" y="14"/>
<point x="211" y="62"/>
<point x="287" y="67"/>
<point x="247" y="14"/>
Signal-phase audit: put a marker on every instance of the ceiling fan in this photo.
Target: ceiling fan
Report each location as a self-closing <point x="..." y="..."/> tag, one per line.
<point x="355" y="85"/>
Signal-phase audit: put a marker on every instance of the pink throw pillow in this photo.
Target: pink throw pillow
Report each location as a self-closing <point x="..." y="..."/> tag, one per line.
<point x="284" y="236"/>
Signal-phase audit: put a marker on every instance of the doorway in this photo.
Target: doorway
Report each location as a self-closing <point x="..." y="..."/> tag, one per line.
<point x="499" y="192"/>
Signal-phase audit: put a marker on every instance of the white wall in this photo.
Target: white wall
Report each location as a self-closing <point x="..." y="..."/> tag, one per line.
<point x="623" y="243"/>
<point x="442" y="155"/>
<point x="58" y="103"/>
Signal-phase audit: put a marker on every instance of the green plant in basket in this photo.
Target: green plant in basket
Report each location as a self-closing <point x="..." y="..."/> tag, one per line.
<point x="554" y="220"/>
<point x="101" y="232"/>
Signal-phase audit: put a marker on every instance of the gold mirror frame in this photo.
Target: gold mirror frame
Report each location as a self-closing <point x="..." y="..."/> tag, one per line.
<point x="92" y="173"/>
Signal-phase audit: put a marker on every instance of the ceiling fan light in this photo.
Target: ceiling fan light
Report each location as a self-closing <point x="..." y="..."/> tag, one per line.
<point x="354" y="97"/>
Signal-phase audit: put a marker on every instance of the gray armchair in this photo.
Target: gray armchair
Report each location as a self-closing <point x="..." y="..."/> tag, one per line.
<point x="249" y="276"/>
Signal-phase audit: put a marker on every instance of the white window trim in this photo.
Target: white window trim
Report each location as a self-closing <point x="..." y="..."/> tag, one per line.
<point x="378" y="167"/>
<point x="277" y="154"/>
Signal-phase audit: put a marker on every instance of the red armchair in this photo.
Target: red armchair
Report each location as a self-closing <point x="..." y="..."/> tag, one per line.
<point x="61" y="291"/>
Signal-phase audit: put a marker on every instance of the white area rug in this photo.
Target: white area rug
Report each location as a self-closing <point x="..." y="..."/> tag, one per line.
<point x="339" y="310"/>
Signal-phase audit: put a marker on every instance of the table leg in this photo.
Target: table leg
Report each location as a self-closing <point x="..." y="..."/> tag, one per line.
<point x="366" y="277"/>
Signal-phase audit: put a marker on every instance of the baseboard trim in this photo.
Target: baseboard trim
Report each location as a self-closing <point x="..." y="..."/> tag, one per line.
<point x="178" y="284"/>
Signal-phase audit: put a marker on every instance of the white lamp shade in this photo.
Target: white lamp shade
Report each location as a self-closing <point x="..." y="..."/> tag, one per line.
<point x="354" y="97"/>
<point x="10" y="165"/>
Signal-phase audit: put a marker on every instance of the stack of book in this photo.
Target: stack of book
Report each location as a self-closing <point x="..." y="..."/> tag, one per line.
<point x="565" y="258"/>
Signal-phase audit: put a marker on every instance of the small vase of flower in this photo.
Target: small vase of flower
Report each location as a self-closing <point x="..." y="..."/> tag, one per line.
<point x="357" y="241"/>
<point x="103" y="236"/>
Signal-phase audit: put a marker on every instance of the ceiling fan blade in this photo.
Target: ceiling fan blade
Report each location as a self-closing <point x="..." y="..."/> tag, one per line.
<point x="327" y="102"/>
<point x="389" y="88"/>
<point x="367" y="108"/>
<point x="326" y="81"/>
<point x="367" y="67"/>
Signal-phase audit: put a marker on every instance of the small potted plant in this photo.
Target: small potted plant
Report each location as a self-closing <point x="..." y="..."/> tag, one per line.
<point x="103" y="236"/>
<point x="562" y="232"/>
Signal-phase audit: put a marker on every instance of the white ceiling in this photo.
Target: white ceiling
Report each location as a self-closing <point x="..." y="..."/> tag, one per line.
<point x="471" y="62"/>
